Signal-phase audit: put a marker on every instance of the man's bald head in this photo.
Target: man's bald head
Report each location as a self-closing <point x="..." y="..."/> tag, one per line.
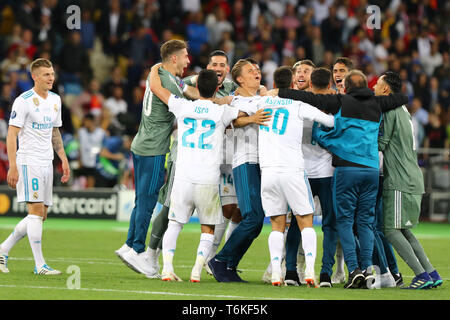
<point x="355" y="79"/>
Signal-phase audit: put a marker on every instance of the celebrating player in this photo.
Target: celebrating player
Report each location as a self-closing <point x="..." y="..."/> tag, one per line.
<point x="201" y="125"/>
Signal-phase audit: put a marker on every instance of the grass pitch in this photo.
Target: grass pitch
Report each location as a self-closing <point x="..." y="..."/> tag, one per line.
<point x="89" y="246"/>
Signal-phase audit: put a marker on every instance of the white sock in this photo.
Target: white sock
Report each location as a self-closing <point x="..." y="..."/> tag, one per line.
<point x="309" y="244"/>
<point x="219" y="230"/>
<point x="339" y="258"/>
<point x="276" y="245"/>
<point x="284" y="239"/>
<point x="203" y="250"/>
<point x="231" y="226"/>
<point x="18" y="233"/>
<point x="34" y="231"/>
<point x="170" y="244"/>
<point x="300" y="258"/>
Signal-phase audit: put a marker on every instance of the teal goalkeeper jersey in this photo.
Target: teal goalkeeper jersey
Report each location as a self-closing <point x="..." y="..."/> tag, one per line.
<point x="400" y="168"/>
<point x="153" y="136"/>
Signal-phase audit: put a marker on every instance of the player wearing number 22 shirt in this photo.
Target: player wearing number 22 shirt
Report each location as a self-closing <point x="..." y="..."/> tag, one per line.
<point x="201" y="126"/>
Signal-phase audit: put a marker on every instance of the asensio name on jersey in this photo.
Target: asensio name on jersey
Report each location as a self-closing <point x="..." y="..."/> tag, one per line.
<point x="280" y="142"/>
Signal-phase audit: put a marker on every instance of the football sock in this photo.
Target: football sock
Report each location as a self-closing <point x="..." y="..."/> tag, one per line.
<point x="418" y="250"/>
<point x="19" y="232"/>
<point x="170" y="244"/>
<point x="405" y="250"/>
<point x="219" y="230"/>
<point x="309" y="244"/>
<point x="339" y="258"/>
<point x="231" y="226"/>
<point x="159" y="226"/>
<point x="276" y="244"/>
<point x="300" y="257"/>
<point x="203" y="250"/>
<point x="34" y="231"/>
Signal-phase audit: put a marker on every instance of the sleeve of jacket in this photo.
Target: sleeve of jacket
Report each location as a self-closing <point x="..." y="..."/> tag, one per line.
<point x="391" y="101"/>
<point x="330" y="103"/>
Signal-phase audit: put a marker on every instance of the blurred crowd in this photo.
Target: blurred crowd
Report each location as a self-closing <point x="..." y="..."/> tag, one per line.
<point x="102" y="66"/>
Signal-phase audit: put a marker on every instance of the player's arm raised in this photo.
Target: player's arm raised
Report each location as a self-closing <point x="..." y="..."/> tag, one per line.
<point x="155" y="85"/>
<point x="11" y="147"/>
<point x="58" y="146"/>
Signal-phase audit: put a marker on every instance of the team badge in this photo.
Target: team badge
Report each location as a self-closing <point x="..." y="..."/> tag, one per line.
<point x="36" y="101"/>
<point x="55" y="107"/>
<point x="35" y="196"/>
<point x="13" y="115"/>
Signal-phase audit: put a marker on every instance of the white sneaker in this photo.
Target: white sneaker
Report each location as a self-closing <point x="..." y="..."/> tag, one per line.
<point x="138" y="262"/>
<point x="276" y="279"/>
<point x="338" y="277"/>
<point x="152" y="256"/>
<point x="4" y="263"/>
<point x="46" y="270"/>
<point x="387" y="280"/>
<point x="120" y="252"/>
<point x="169" y="276"/>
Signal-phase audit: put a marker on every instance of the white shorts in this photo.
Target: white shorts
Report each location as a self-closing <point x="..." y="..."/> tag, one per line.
<point x="35" y="184"/>
<point x="186" y="197"/>
<point x="281" y="190"/>
<point x="226" y="188"/>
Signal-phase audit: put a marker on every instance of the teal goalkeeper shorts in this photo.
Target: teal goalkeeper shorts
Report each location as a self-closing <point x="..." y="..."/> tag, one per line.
<point x="401" y="210"/>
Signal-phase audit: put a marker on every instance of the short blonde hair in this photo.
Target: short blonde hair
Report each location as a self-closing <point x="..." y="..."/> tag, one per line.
<point x="40" y="62"/>
<point x="237" y="69"/>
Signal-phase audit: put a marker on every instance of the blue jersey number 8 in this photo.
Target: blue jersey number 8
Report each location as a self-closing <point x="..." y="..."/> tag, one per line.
<point x="276" y="117"/>
<point x="205" y="124"/>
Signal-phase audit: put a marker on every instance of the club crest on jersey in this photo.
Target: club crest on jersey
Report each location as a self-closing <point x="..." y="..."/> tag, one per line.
<point x="35" y="196"/>
<point x="55" y="107"/>
<point x="36" y="101"/>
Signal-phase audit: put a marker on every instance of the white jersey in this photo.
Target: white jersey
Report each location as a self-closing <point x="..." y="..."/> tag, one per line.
<point x="36" y="117"/>
<point x="201" y="127"/>
<point x="317" y="159"/>
<point x="246" y="138"/>
<point x="90" y="145"/>
<point x="280" y="142"/>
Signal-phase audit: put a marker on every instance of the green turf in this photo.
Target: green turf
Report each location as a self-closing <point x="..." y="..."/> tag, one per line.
<point x="90" y="245"/>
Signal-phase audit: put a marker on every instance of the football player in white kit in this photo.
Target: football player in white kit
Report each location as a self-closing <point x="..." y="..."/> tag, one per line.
<point x="201" y="127"/>
<point x="284" y="181"/>
<point x="35" y="118"/>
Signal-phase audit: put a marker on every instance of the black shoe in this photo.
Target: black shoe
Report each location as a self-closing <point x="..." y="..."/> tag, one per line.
<point x="291" y="278"/>
<point x="355" y="279"/>
<point x="325" y="281"/>
<point x="219" y="270"/>
<point x="233" y="276"/>
<point x="398" y="279"/>
<point x="369" y="280"/>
